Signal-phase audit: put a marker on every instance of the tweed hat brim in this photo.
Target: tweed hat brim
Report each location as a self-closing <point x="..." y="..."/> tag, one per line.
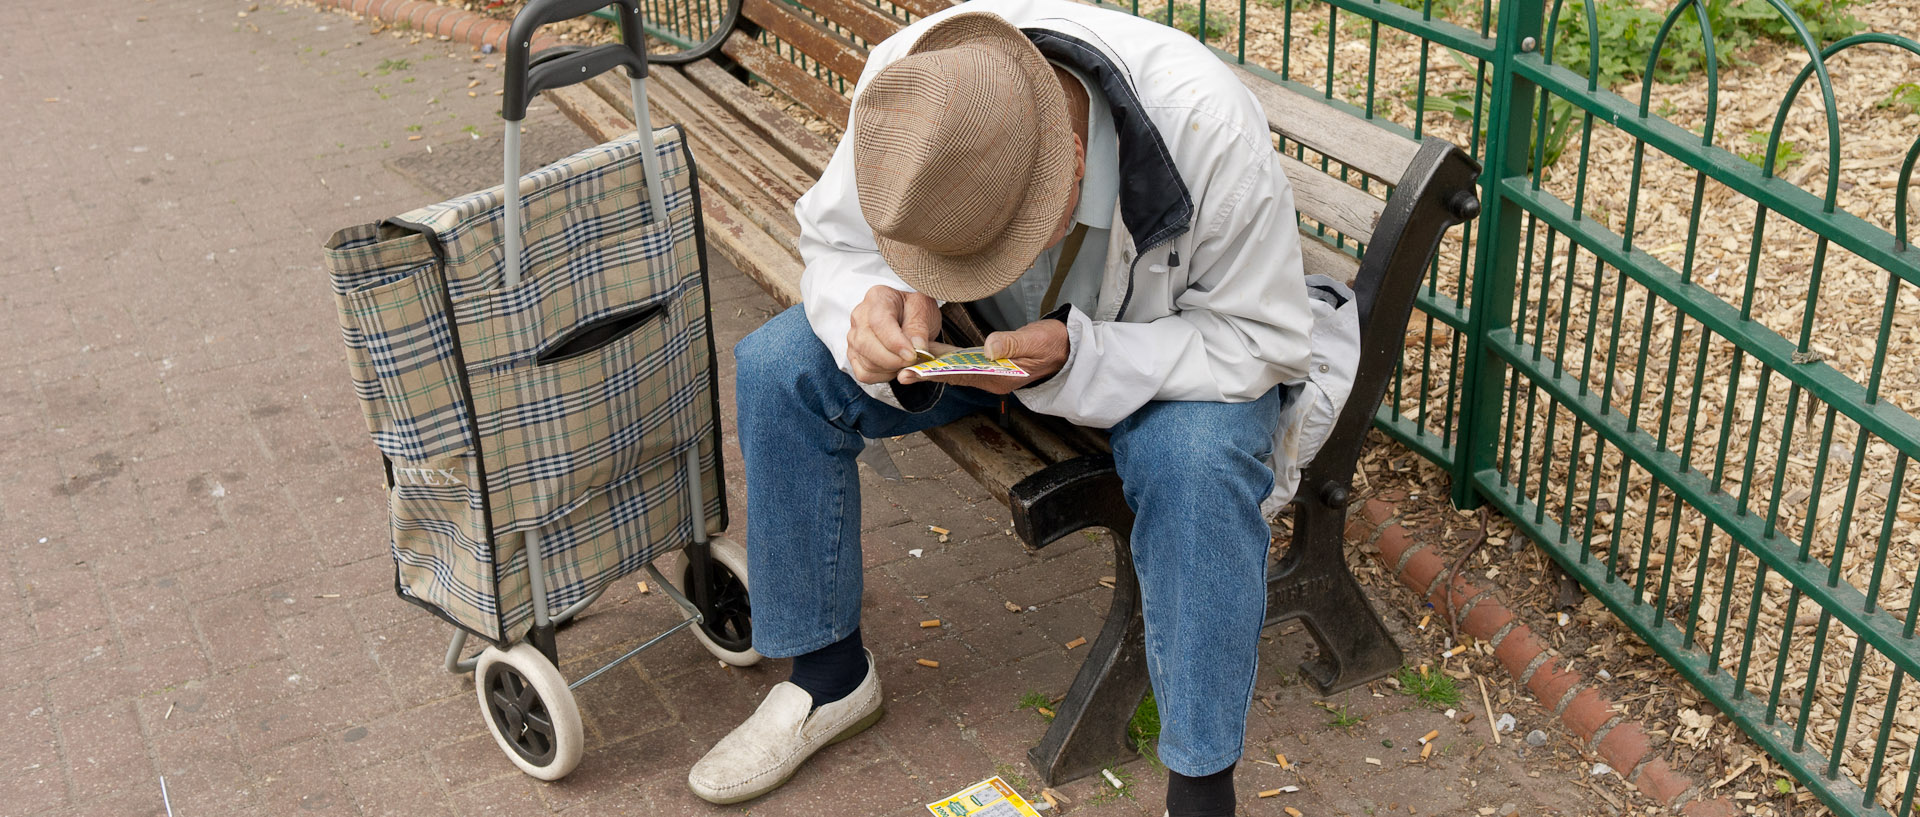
<point x="1049" y="179"/>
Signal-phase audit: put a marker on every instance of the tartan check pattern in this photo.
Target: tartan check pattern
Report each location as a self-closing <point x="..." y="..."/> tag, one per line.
<point x="587" y="448"/>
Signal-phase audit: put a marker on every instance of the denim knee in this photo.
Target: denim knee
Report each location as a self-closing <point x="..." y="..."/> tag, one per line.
<point x="780" y="356"/>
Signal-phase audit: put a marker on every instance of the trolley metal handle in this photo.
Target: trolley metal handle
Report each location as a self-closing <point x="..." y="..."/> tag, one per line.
<point x="526" y="77"/>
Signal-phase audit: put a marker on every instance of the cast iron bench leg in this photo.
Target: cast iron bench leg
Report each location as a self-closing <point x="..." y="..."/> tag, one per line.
<point x="1090" y="729"/>
<point x="1312" y="584"/>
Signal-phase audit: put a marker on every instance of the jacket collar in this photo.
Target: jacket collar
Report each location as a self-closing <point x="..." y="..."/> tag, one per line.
<point x="1154" y="203"/>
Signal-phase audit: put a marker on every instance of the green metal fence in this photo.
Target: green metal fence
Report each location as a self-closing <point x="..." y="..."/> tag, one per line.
<point x="1685" y="371"/>
<point x="1681" y="347"/>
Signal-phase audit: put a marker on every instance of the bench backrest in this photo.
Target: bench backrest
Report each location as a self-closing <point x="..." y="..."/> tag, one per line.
<point x="814" y="55"/>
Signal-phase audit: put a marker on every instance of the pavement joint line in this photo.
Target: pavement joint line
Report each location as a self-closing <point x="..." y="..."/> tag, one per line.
<point x="1500" y="635"/>
<point x="1560" y="708"/>
<point x="1605" y="728"/>
<point x="1406" y="556"/>
<point x="1466" y="609"/>
<point x="1542" y="657"/>
<point x="1373" y="539"/>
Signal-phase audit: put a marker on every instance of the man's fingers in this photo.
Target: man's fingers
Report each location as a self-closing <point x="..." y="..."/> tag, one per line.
<point x="868" y="350"/>
<point x="1004" y="345"/>
<point x="920" y="315"/>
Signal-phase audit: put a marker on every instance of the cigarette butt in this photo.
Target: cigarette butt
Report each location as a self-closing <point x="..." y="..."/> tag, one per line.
<point x="927" y="662"/>
<point x="944" y="538"/>
<point x="1289" y="789"/>
<point x="473" y="94"/>
<point x="939" y="530"/>
<point x="414" y="138"/>
<point x="1430" y="736"/>
<point x="929" y="624"/>
<point x="1053" y="803"/>
<point x="169" y="711"/>
<point x="328" y="596"/>
<point x="1424" y="619"/>
<point x="1564" y="619"/>
<point x="1374" y="761"/>
<point x="1283" y="760"/>
<point x="1423" y="670"/>
<point x="1467" y="718"/>
<point x="1111" y="779"/>
<point x="1013" y="608"/>
<point x="474" y="84"/>
<point x="499" y="91"/>
<point x="51" y="99"/>
<point x="1293" y="812"/>
<point x="1426" y="751"/>
<point x="1075" y="643"/>
<point x="1270" y="793"/>
<point x="643" y="588"/>
<point x="1044" y="711"/>
<point x="1455" y="651"/>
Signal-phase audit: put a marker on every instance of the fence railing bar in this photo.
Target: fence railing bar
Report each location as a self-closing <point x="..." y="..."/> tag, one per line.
<point x="1767" y="347"/>
<point x="1845" y="600"/>
<point x="1692" y="665"/>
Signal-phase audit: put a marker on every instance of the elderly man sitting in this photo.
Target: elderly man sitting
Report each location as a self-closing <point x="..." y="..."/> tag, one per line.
<point x="1103" y="190"/>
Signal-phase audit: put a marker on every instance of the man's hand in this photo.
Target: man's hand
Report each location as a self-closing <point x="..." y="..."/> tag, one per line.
<point x="887" y="326"/>
<point x="1040" y="348"/>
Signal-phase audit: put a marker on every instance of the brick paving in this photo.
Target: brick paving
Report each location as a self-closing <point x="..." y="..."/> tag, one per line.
<point x="192" y="519"/>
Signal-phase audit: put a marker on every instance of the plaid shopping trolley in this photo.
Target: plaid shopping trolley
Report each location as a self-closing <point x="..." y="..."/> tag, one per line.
<point x="538" y="372"/>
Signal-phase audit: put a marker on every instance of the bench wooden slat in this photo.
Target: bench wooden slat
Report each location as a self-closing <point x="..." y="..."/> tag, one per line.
<point x="1362" y="145"/>
<point x="922" y="8"/>
<point x="1320" y="258"/>
<point x="1331" y="201"/>
<point x="745" y="241"/>
<point x="803" y="147"/>
<point x="825" y="102"/>
<point x="738" y="143"/>
<point x="744" y="182"/>
<point x="833" y="51"/>
<point x="986" y="452"/>
<point x="860" y="17"/>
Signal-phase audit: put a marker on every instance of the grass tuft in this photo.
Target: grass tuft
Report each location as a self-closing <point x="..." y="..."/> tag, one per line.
<point x="1435" y="689"/>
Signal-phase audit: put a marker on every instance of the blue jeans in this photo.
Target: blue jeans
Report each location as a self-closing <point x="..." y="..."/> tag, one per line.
<point x="1194" y="474"/>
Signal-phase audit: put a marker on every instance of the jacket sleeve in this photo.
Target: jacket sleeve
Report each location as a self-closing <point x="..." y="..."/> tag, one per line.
<point x="842" y="260"/>
<point x="1240" y="327"/>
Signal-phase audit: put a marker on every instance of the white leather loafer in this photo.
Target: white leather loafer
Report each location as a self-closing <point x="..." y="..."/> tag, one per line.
<point x="762" y="753"/>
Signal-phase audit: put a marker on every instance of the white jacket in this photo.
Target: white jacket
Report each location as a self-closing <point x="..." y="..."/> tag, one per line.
<point x="1204" y="296"/>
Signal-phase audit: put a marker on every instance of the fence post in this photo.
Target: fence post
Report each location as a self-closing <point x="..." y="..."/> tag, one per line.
<point x="1496" y="255"/>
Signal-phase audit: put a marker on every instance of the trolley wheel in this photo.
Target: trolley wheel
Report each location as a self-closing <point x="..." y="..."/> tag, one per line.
<point x="728" y="629"/>
<point x="530" y="710"/>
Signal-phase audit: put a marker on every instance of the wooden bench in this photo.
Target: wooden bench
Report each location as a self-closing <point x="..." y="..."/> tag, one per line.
<point x="756" y="160"/>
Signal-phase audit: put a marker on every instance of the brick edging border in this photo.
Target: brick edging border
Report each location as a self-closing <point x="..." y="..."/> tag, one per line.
<point x="432" y="19"/>
<point x="1622" y="742"/>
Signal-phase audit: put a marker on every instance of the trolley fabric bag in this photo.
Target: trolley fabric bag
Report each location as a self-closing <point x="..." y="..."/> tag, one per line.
<point x="562" y="405"/>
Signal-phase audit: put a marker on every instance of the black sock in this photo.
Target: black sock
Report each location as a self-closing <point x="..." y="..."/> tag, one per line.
<point x="833" y="671"/>
<point x="1206" y="796"/>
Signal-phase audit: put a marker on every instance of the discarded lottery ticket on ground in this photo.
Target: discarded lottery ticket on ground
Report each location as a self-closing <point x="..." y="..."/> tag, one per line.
<point x="965" y="361"/>
<point x="991" y="797"/>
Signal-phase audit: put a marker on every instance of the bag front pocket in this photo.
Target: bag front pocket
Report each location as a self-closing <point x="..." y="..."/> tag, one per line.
<point x="410" y="346"/>
<point x="610" y="397"/>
